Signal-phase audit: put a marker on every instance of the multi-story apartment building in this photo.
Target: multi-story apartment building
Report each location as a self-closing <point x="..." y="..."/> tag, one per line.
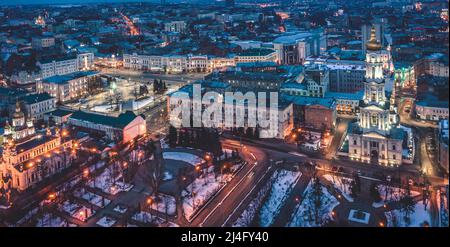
<point x="52" y="66"/>
<point x="36" y="105"/>
<point x="42" y="42"/>
<point x="345" y="75"/>
<point x="256" y="55"/>
<point x="295" y="48"/>
<point x="66" y="87"/>
<point x="175" y="26"/>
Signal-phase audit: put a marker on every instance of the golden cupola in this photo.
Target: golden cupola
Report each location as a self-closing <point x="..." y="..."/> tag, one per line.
<point x="373" y="44"/>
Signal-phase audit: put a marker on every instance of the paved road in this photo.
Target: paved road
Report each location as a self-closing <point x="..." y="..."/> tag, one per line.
<point x="338" y="136"/>
<point x="223" y="205"/>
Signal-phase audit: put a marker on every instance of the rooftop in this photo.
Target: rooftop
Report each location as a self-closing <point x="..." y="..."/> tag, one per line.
<point x="429" y="100"/>
<point x="305" y="100"/>
<point x="256" y="52"/>
<point x="59" y="113"/>
<point x="62" y="79"/>
<point x="292" y="38"/>
<point x="32" y="143"/>
<point x="35" y="98"/>
<point x="117" y="122"/>
<point x="347" y="96"/>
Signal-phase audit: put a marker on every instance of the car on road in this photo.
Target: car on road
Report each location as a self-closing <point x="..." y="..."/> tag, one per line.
<point x="334" y="169"/>
<point x="340" y="169"/>
<point x="250" y="175"/>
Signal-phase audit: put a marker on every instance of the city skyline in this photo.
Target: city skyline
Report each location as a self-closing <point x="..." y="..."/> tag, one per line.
<point x="234" y="114"/>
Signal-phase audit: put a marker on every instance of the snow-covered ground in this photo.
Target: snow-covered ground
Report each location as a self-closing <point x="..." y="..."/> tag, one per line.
<point x="167" y="175"/>
<point x="50" y="220"/>
<point x="121" y="209"/>
<point x="146" y="217"/>
<point x="203" y="187"/>
<point x="442" y="202"/>
<point x="91" y="197"/>
<point x="182" y="156"/>
<point x="282" y="186"/>
<point x="165" y="204"/>
<point x="393" y="193"/>
<point x="163" y="143"/>
<point x="342" y="184"/>
<point x="395" y="218"/>
<point x="69" y="207"/>
<point x="105" y="182"/>
<point x="304" y="214"/>
<point x="77" y="211"/>
<point x="106" y="221"/>
<point x="83" y="213"/>
<point x="247" y="217"/>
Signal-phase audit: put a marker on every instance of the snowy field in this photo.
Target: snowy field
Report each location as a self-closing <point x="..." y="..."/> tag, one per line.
<point x="342" y="184"/>
<point x="247" y="217"/>
<point x="83" y="213"/>
<point x="147" y="218"/>
<point x="395" y="218"/>
<point x="203" y="187"/>
<point x="69" y="207"/>
<point x="121" y="209"/>
<point x="304" y="215"/>
<point x="282" y="186"/>
<point x="91" y="198"/>
<point x="181" y="156"/>
<point x="50" y="220"/>
<point x="163" y="143"/>
<point x="77" y="211"/>
<point x="167" y="175"/>
<point x="389" y="193"/>
<point x="442" y="201"/>
<point x="106" y="221"/>
<point x="165" y="204"/>
<point x="105" y="182"/>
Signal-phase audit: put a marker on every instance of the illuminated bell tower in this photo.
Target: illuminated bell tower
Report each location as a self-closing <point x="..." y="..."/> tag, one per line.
<point x="374" y="113"/>
<point x="374" y="92"/>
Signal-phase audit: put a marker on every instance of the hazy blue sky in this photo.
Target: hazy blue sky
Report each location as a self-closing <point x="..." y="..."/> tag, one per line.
<point x="13" y="2"/>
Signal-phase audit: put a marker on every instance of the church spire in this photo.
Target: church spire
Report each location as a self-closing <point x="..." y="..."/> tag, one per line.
<point x="373" y="44"/>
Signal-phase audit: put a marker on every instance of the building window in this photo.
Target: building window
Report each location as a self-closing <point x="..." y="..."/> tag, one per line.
<point x="393" y="147"/>
<point x="354" y="151"/>
<point x="354" y="142"/>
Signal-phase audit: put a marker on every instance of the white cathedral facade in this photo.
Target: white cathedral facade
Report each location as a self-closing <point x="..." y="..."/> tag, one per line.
<point x="377" y="137"/>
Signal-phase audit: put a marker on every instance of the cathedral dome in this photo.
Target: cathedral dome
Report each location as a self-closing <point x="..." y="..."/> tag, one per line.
<point x="372" y="43"/>
<point x="18" y="113"/>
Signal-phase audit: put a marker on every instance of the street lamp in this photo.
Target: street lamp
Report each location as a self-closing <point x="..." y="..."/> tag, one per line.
<point x="51" y="196"/>
<point x="86" y="172"/>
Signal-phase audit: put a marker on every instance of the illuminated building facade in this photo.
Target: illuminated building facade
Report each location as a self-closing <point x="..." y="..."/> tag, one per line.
<point x="30" y="157"/>
<point x="376" y="137"/>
